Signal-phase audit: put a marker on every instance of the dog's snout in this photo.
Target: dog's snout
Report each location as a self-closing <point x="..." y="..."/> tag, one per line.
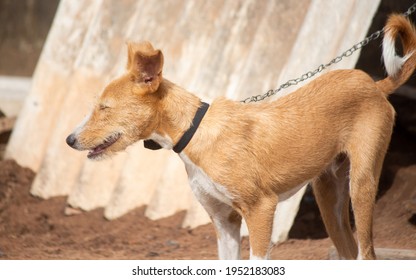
<point x="71" y="140"/>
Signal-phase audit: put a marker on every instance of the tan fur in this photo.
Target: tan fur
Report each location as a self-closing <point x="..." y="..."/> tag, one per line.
<point x="336" y="126"/>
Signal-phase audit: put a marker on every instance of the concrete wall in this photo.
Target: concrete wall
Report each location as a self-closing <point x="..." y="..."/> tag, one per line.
<point x="213" y="48"/>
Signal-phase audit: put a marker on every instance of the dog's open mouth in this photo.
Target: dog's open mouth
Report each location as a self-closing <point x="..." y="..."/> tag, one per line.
<point x="100" y="149"/>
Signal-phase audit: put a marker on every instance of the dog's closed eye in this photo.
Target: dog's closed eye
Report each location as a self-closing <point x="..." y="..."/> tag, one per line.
<point x="102" y="107"/>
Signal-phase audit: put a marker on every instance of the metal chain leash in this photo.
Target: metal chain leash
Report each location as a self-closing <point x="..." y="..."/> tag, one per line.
<point x="310" y="74"/>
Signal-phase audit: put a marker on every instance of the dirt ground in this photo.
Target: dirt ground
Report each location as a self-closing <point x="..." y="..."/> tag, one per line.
<point x="32" y="228"/>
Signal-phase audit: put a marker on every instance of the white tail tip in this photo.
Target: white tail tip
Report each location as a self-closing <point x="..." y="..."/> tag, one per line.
<point x="392" y="61"/>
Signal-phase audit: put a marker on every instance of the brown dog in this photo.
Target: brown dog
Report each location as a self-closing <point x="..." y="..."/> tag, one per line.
<point x="243" y="158"/>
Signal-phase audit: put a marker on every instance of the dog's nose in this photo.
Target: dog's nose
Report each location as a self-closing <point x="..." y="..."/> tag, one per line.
<point x="70" y="140"/>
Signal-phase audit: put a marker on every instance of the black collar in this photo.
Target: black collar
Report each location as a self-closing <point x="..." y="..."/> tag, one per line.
<point x="187" y="136"/>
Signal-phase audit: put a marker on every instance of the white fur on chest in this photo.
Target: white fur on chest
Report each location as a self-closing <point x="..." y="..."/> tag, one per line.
<point x="202" y="185"/>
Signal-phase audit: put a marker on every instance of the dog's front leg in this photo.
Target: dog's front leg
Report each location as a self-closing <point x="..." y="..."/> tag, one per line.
<point x="259" y="219"/>
<point x="227" y="223"/>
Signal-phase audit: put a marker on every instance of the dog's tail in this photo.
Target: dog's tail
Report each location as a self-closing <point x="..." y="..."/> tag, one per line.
<point x="399" y="69"/>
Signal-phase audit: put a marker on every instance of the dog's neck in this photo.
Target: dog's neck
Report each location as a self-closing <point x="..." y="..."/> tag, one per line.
<point x="176" y="110"/>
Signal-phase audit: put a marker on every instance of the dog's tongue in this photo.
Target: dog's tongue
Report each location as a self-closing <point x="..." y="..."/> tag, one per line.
<point x="96" y="151"/>
<point x="100" y="148"/>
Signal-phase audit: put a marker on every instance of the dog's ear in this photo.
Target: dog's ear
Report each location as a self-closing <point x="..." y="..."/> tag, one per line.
<point x="149" y="65"/>
<point x="145" y="63"/>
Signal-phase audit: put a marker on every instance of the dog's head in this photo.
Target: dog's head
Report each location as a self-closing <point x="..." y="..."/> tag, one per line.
<point x="126" y="111"/>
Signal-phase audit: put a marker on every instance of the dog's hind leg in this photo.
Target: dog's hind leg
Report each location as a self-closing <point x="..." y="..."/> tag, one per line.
<point x="366" y="150"/>
<point x="364" y="178"/>
<point x="332" y="195"/>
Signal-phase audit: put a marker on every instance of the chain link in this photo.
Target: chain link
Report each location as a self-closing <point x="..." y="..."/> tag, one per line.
<point x="322" y="67"/>
<point x="410" y="11"/>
